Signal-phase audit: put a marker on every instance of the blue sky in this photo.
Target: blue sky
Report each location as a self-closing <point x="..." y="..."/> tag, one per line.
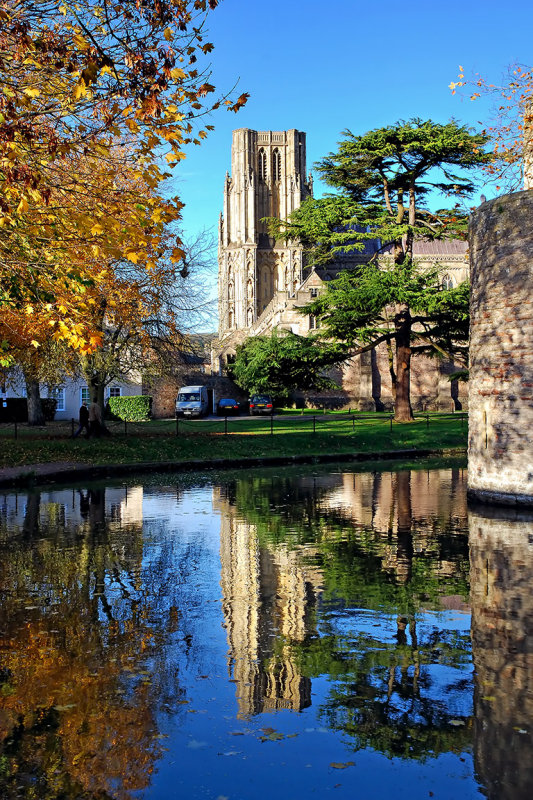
<point x="322" y="67"/>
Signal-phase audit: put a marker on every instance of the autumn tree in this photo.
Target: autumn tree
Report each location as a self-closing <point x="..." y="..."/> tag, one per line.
<point x="383" y="179"/>
<point x="511" y="128"/>
<point x="141" y="316"/>
<point x="111" y="85"/>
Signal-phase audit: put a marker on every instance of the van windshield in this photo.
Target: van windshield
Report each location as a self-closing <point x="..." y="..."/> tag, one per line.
<point x="188" y="397"/>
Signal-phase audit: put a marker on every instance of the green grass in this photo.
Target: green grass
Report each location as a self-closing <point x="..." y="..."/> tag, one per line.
<point x="293" y="435"/>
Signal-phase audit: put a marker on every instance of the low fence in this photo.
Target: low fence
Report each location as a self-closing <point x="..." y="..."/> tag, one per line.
<point x="271" y="425"/>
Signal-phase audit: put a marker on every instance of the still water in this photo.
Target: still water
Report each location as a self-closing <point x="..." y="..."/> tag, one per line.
<point x="256" y="635"/>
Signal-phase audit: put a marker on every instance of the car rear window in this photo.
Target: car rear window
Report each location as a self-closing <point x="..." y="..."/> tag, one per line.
<point x="261" y="398"/>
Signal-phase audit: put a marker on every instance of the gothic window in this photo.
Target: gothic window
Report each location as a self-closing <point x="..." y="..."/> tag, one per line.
<point x="250" y="317"/>
<point x="230" y="291"/>
<point x="447" y="282"/>
<point x="262" y="165"/>
<point x="276" y="165"/>
<point x="312" y="322"/>
<point x="231" y="319"/>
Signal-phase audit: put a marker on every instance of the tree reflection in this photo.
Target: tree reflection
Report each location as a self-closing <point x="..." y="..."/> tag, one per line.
<point x="386" y="547"/>
<point x="77" y="702"/>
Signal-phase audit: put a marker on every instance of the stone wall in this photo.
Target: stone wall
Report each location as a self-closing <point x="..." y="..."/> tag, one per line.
<point x="501" y="350"/>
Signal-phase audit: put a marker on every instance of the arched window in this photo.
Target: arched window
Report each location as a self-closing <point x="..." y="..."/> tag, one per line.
<point x="447" y="282"/>
<point x="312" y="322"/>
<point x="276" y="165"/>
<point x="262" y="165"/>
<point x="231" y="319"/>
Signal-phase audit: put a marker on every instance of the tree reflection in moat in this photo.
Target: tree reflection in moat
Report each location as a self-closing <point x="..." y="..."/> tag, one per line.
<point x="79" y="625"/>
<point x="314" y="573"/>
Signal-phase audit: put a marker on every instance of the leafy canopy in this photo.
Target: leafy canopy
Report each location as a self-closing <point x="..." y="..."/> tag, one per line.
<point x="280" y="363"/>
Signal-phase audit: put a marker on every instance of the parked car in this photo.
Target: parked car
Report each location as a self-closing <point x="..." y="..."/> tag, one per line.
<point x="192" y="401"/>
<point x="261" y="404"/>
<point x="227" y="406"/>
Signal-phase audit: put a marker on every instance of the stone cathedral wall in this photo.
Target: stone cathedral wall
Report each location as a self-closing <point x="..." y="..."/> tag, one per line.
<point x="501" y="350"/>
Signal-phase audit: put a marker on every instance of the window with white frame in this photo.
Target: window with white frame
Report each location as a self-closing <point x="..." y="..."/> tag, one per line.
<point x="114" y="391"/>
<point x="314" y="291"/>
<point x="312" y="322"/>
<point x="58" y="394"/>
<point x="85" y="395"/>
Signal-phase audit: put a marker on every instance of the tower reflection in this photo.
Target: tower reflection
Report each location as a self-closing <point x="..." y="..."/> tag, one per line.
<point x="501" y="573"/>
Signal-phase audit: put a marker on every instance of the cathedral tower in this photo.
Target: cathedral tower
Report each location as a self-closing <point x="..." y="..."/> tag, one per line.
<point x="267" y="180"/>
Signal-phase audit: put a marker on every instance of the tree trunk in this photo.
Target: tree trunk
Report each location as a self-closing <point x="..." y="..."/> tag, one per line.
<point x="33" y="397"/>
<point x="402" y="409"/>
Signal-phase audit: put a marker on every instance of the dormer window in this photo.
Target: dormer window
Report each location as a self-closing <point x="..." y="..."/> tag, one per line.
<point x="314" y="291"/>
<point x="276" y="165"/>
<point x="262" y="165"/>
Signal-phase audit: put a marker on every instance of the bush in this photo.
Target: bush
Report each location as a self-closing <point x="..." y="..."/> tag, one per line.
<point x="131" y="409"/>
<point x="49" y="407"/>
<point x="16" y="409"/>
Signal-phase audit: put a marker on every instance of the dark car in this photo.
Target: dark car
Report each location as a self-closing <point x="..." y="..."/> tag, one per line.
<point x="227" y="406"/>
<point x="261" y="404"/>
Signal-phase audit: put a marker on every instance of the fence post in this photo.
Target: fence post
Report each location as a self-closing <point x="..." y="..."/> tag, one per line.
<point x="72" y="427"/>
<point x="272" y="424"/>
<point x="177" y="426"/>
<point x="314" y="424"/>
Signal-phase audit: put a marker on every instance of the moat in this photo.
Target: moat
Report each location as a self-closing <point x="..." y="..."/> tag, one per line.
<point x="317" y="631"/>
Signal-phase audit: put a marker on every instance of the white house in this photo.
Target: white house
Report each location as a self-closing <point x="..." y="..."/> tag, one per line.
<point x="71" y="393"/>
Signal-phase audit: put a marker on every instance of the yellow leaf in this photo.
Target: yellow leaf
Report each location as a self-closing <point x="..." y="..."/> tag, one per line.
<point x="177" y="74"/>
<point x="22" y="206"/>
<point x="35" y="343"/>
<point x="133" y="257"/>
<point x="79" y="90"/>
<point x="32" y="92"/>
<point x="168" y="34"/>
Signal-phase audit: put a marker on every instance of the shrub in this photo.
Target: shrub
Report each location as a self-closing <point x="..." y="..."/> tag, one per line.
<point x="131" y="409"/>
<point x="16" y="409"/>
<point x="49" y="407"/>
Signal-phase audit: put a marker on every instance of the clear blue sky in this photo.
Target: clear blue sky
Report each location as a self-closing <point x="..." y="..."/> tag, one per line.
<point x="323" y="66"/>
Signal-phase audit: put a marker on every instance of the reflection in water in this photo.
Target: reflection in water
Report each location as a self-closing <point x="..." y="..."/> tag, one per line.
<point x="76" y="718"/>
<point x="146" y="632"/>
<point x="288" y="545"/>
<point x="501" y="568"/>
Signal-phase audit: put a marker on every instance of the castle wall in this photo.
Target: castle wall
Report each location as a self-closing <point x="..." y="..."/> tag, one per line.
<point x="500" y="446"/>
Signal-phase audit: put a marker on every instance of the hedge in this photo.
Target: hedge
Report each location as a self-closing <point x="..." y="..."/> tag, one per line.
<point x="16" y="409"/>
<point x="131" y="409"/>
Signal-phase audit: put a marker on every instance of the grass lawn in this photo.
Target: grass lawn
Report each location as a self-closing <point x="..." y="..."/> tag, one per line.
<point x="292" y="434"/>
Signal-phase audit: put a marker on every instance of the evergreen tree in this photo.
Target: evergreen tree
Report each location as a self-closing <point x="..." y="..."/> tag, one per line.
<point x="382" y="180"/>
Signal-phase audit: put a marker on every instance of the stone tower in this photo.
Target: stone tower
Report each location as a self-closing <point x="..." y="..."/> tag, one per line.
<point x="267" y="180"/>
<point x="500" y="449"/>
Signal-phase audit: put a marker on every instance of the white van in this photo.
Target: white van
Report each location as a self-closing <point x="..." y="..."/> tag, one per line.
<point x="192" y="401"/>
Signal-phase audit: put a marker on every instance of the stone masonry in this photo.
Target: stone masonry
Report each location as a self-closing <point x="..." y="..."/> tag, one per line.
<point x="501" y="350"/>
